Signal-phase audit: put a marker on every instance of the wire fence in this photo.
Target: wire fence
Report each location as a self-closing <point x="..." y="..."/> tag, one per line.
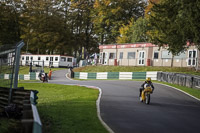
<point x="7" y="57"/>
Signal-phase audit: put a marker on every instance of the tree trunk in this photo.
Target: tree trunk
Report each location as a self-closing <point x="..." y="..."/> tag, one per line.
<point x="172" y="61"/>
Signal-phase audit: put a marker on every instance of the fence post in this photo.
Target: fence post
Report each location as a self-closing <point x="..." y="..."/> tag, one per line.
<point x="17" y="57"/>
<point x="16" y="69"/>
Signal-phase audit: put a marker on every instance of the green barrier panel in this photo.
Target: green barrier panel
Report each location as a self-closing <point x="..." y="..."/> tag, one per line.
<point x="139" y="75"/>
<point x="21" y="77"/>
<point x="113" y="75"/>
<point x="10" y="76"/>
<point x="92" y="75"/>
<point x="1" y="76"/>
<point x="77" y="75"/>
<point x="32" y="76"/>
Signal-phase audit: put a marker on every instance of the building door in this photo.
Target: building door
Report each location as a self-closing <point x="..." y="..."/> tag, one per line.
<point x="141" y="58"/>
<point x="103" y="58"/>
<point x="192" y="55"/>
<point x="51" y="61"/>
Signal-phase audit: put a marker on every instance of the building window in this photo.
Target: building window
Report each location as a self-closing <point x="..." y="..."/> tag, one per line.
<point x="166" y="55"/>
<point x="47" y="58"/>
<point x="131" y="55"/>
<point x="69" y="59"/>
<point x="181" y="55"/>
<point x="192" y="55"/>
<point x="56" y="58"/>
<point x="121" y="55"/>
<point x="155" y="55"/>
<point x="39" y="58"/>
<point x="112" y="56"/>
<point x="27" y="57"/>
<point x="31" y="57"/>
<point x="51" y="58"/>
<point x="22" y="57"/>
<point x="100" y="55"/>
<point x="63" y="59"/>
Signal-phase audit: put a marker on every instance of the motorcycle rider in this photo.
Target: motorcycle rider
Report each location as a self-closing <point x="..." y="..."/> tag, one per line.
<point x="147" y="81"/>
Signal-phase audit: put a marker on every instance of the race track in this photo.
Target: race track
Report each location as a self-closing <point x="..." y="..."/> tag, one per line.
<point x="170" y="111"/>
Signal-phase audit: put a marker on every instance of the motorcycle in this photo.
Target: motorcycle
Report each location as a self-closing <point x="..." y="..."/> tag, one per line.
<point x="43" y="77"/>
<point x="145" y="96"/>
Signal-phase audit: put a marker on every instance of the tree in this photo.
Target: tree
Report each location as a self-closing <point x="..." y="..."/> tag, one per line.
<point x="82" y="27"/>
<point x="44" y="28"/>
<point x="140" y="30"/>
<point x="175" y="23"/>
<point x="163" y="18"/>
<point x="125" y="33"/>
<point x="188" y="19"/>
<point x="110" y="15"/>
<point x="9" y="22"/>
<point x="149" y="7"/>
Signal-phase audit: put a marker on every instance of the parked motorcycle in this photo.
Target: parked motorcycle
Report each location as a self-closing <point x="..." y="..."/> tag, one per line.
<point x="145" y="96"/>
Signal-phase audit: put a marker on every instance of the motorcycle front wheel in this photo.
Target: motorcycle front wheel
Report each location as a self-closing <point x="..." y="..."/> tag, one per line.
<point x="147" y="98"/>
<point x="141" y="99"/>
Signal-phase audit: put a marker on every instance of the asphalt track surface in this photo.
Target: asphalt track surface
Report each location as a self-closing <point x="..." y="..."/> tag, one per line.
<point x="170" y="110"/>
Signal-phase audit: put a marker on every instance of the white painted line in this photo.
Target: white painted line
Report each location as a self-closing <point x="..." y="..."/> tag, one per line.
<point x="181" y="91"/>
<point x="97" y="104"/>
<point x="98" y="107"/>
<point x="66" y="75"/>
<point x="198" y="87"/>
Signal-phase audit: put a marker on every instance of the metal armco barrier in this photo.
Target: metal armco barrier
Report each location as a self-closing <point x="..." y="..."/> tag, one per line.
<point x="190" y="81"/>
<point x="3" y="98"/>
<point x="31" y="120"/>
<point x="26" y="101"/>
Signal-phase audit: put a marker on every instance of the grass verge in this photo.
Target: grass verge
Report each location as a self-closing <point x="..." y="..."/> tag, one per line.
<point x="9" y="125"/>
<point x="67" y="108"/>
<point x="191" y="91"/>
<point x="136" y="69"/>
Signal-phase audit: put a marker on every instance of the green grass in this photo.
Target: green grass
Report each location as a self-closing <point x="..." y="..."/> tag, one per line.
<point x="25" y="69"/>
<point x="135" y="69"/>
<point x="67" y="108"/>
<point x="5" y="83"/>
<point x="9" y="125"/>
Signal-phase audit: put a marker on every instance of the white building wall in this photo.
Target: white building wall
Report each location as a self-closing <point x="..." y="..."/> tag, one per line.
<point x="178" y="61"/>
<point x="48" y="60"/>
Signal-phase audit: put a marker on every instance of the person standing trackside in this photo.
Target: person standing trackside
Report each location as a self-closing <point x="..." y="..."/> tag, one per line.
<point x="50" y="73"/>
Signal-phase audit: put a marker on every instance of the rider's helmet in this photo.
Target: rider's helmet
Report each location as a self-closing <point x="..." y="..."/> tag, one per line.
<point x="148" y="80"/>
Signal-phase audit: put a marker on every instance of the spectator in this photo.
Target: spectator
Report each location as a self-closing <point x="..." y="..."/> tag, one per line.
<point x="50" y="73"/>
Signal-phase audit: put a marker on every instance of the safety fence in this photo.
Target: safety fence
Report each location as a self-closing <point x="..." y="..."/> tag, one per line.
<point x="181" y="79"/>
<point x="31" y="122"/>
<point x="25" y="103"/>
<point x="116" y="75"/>
<point x="30" y="76"/>
<point x="4" y="92"/>
<point x="15" y="102"/>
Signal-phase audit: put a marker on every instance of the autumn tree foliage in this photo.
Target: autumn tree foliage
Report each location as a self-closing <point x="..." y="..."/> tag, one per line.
<point x="71" y="27"/>
<point x="111" y="15"/>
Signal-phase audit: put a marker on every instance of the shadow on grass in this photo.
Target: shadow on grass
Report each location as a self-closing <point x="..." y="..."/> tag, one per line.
<point x="70" y="116"/>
